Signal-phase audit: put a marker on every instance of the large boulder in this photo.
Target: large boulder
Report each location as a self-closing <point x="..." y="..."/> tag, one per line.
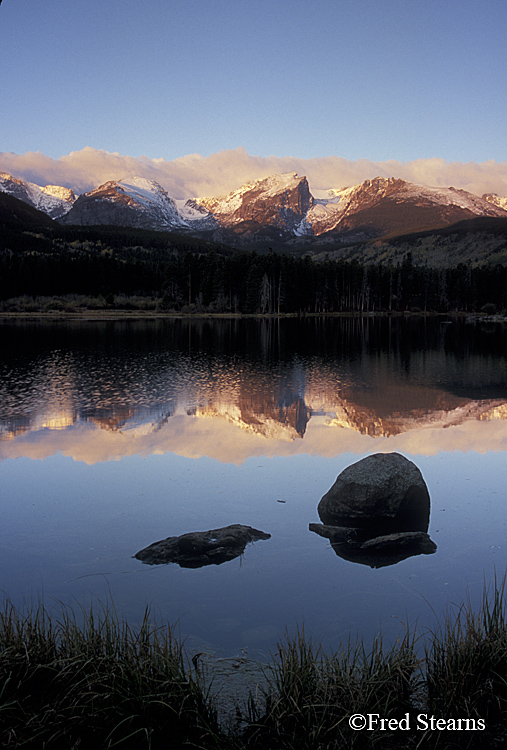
<point x="199" y="548"/>
<point x="382" y="493"/>
<point x="377" y="512"/>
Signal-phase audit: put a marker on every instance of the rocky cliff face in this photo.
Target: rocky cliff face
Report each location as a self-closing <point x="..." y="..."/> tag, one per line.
<point x="280" y="201"/>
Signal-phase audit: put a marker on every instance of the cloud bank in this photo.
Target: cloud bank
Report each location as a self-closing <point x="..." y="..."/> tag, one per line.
<point x="222" y="441"/>
<point x="198" y="176"/>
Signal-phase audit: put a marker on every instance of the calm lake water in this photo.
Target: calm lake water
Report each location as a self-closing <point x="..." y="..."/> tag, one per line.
<point x="114" y="435"/>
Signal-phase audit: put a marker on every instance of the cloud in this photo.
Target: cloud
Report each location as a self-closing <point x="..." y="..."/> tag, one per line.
<point x="197" y="176"/>
<point x="219" y="439"/>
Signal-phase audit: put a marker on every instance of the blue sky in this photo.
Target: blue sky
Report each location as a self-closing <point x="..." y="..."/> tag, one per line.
<point x="373" y="79"/>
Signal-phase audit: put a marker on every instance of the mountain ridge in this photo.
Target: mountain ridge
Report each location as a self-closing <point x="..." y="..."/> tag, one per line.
<point x="135" y="202"/>
<point x="279" y="209"/>
<point x="53" y="200"/>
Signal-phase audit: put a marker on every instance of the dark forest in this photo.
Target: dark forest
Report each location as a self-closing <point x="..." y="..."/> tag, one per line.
<point x="190" y="275"/>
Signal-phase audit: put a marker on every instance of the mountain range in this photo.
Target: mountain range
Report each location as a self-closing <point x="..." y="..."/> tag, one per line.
<point x="279" y="210"/>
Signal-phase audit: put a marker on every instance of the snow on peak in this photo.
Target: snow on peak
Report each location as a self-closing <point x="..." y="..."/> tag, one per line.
<point x="53" y="200"/>
<point x="267" y="186"/>
<point x="142" y="188"/>
<point x="63" y="193"/>
<point x="145" y="195"/>
<point x="496" y="200"/>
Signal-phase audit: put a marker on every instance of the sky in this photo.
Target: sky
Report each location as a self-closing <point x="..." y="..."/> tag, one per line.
<point x="347" y="86"/>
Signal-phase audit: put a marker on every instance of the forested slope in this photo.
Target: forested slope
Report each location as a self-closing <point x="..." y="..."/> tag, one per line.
<point x="183" y="273"/>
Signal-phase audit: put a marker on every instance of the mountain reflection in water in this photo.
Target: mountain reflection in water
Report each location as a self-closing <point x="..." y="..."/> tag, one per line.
<point x="256" y="385"/>
<point x="150" y="430"/>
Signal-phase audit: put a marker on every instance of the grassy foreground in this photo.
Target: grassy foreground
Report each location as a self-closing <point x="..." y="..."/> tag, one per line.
<point x="89" y="681"/>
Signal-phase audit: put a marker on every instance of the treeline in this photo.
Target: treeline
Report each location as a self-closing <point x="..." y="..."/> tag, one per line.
<point x="274" y="283"/>
<point x="192" y="276"/>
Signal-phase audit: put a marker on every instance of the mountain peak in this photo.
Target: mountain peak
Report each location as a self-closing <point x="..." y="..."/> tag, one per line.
<point x="140" y="189"/>
<point x="387" y="205"/>
<point x="53" y="200"/>
<point x="131" y="201"/>
<point x="279" y="201"/>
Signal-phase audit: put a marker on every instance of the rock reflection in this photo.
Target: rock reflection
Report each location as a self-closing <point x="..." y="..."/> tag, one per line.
<point x="377" y="512"/>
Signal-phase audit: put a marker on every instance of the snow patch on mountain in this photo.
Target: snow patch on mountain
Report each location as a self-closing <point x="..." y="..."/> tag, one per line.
<point x="496" y="200"/>
<point x="197" y="217"/>
<point x="148" y="196"/>
<point x="53" y="200"/>
<point x="303" y="229"/>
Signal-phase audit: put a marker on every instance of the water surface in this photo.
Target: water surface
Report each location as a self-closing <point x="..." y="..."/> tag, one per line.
<point x="117" y="434"/>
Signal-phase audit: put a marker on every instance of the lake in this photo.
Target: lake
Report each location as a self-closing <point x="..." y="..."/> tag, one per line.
<point x="115" y="434"/>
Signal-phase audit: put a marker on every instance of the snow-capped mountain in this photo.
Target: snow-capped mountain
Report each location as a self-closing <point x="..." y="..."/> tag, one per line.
<point x="280" y="201"/>
<point x="275" y="209"/>
<point x="375" y="208"/>
<point x="134" y="202"/>
<point x="387" y="205"/>
<point x="276" y="204"/>
<point x="53" y="200"/>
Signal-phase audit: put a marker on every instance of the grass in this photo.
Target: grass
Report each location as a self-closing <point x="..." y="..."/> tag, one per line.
<point x="96" y="683"/>
<point x="87" y="680"/>
<point x="80" y="303"/>
<point x="312" y="695"/>
<point x="467" y="661"/>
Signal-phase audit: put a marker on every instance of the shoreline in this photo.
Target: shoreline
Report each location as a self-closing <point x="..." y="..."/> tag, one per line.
<point x="136" y="685"/>
<point x="121" y="315"/>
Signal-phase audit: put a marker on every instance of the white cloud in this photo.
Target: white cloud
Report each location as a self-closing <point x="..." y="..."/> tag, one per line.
<point x="195" y="175"/>
<point x="219" y="439"/>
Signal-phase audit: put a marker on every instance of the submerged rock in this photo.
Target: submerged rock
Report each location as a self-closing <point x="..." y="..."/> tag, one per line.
<point x="416" y="542"/>
<point x="335" y="534"/>
<point x="199" y="548"/>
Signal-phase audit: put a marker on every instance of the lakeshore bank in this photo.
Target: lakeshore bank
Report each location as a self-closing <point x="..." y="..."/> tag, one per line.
<point x="86" y="679"/>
